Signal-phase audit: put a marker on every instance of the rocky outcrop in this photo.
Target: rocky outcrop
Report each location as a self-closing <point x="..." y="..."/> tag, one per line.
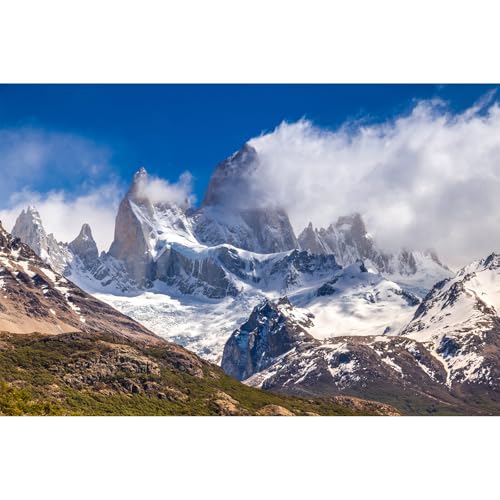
<point x="301" y="266"/>
<point x="270" y="331"/>
<point x="229" y="184"/>
<point x="275" y="411"/>
<point x="85" y="248"/>
<point x="347" y="239"/>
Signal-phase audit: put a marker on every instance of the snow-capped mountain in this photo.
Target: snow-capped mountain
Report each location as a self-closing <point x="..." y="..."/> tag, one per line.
<point x="349" y="241"/>
<point x="447" y="355"/>
<point x="356" y="301"/>
<point x="352" y="302"/>
<point x="84" y="247"/>
<point x="78" y="260"/>
<point x="272" y="329"/>
<point x="459" y="322"/>
<point x="327" y="313"/>
<point x="195" y="275"/>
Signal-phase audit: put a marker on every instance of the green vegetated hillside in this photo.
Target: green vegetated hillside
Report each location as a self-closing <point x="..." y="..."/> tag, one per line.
<point x="76" y="374"/>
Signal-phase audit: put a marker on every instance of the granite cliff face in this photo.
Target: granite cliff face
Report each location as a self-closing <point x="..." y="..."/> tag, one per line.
<point x="85" y="248"/>
<point x="231" y="212"/>
<point x="191" y="250"/>
<point x="130" y="243"/>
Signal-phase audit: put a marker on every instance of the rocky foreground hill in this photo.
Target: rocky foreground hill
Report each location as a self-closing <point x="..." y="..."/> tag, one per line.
<point x="63" y="352"/>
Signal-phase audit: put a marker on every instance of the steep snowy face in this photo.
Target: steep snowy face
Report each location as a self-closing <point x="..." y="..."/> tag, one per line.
<point x="349" y="241"/>
<point x="29" y="229"/>
<point x="468" y="302"/>
<point x="459" y="321"/>
<point x="232" y="213"/>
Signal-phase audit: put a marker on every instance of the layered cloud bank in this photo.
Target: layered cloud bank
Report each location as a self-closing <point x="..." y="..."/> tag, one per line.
<point x="430" y="179"/>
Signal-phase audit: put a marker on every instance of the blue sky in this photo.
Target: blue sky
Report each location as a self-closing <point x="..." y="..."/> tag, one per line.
<point x="173" y="128"/>
<point x="423" y="169"/>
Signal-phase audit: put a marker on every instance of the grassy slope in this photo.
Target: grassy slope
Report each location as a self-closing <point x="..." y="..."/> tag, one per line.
<point x="37" y="377"/>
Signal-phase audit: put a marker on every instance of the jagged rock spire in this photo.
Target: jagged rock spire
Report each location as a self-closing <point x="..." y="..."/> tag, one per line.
<point x="229" y="182"/>
<point x="85" y="247"/>
<point x="29" y="229"/>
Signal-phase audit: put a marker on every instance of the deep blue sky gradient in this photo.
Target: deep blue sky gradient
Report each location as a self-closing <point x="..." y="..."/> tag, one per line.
<point x="173" y="128"/>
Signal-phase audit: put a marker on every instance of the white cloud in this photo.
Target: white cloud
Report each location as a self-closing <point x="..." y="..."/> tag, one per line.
<point x="64" y="215"/>
<point x="34" y="161"/>
<point x="427" y="179"/>
<point x="30" y="157"/>
<point x="161" y="191"/>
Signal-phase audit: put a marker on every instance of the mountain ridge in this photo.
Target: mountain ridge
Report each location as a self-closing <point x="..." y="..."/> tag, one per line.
<point x="63" y="352"/>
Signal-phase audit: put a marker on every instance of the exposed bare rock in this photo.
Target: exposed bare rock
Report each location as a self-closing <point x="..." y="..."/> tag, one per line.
<point x="85" y="247"/>
<point x="275" y="411"/>
<point x="363" y="405"/>
<point x="271" y="331"/>
<point x="226" y="405"/>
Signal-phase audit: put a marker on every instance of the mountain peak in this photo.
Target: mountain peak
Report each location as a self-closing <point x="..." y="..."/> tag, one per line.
<point x="353" y="221"/>
<point x="142" y="172"/>
<point x="229" y="182"/>
<point x="31" y="209"/>
<point x="32" y="213"/>
<point x="85" y="232"/>
<point x="85" y="247"/>
<point x="29" y="229"/>
<point x="137" y="187"/>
